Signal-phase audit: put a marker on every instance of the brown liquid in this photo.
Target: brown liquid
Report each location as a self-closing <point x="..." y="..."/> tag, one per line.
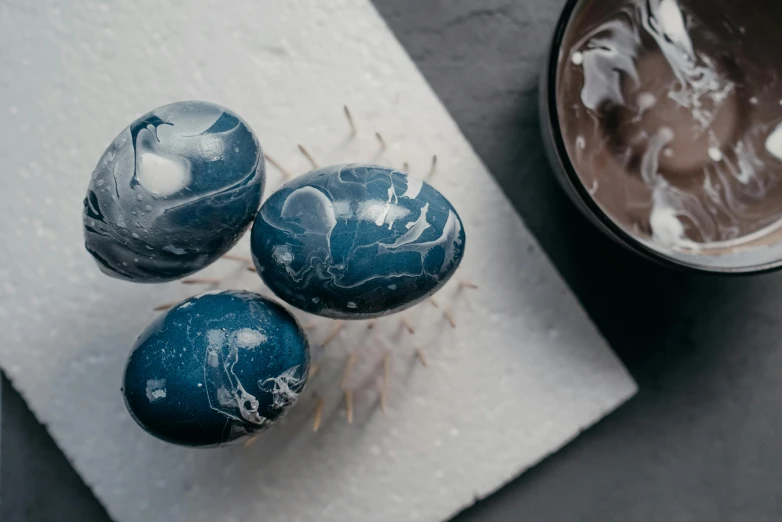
<point x="666" y="107"/>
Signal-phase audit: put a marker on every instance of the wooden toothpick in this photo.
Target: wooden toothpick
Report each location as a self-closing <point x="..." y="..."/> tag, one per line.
<point x="286" y="174"/>
<point x="349" y="405"/>
<point x="386" y="378"/>
<point x="449" y="316"/>
<point x="314" y="369"/>
<point x="338" y="326"/>
<point x="309" y="157"/>
<point x="352" y="124"/>
<point x="434" y="302"/>
<point x="464" y="283"/>
<point x="252" y="440"/>
<point x="240" y="259"/>
<point x="201" y="281"/>
<point x="419" y="354"/>
<point x="166" y="306"/>
<point x="252" y="269"/>
<point x="348" y="368"/>
<point x="381" y="141"/>
<point x="408" y="326"/>
<point x="318" y="415"/>
<point x="433" y="167"/>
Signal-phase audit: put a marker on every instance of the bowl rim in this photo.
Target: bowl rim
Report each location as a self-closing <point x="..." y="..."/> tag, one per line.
<point x="627" y="239"/>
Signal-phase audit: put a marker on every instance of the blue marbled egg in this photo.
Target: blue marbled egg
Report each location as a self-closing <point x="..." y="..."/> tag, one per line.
<point x="356" y="241"/>
<point x="216" y="368"/>
<point x="174" y="191"/>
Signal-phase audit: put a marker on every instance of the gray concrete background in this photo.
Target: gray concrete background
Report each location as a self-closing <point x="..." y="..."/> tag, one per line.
<point x="703" y="439"/>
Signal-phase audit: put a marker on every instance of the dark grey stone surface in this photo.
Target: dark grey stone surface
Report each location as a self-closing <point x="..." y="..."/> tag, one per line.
<point x="703" y="439"/>
<point x="37" y="483"/>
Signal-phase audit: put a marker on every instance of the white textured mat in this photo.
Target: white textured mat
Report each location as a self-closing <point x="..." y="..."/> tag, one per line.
<point x="523" y="372"/>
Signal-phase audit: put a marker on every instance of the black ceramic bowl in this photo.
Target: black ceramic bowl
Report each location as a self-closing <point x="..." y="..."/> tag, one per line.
<point x="677" y="155"/>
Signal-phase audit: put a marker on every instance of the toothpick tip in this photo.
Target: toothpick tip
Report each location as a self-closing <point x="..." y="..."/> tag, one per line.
<point x="307" y="155"/>
<point x="348" y="368"/>
<point x="201" y="281"/>
<point x="408" y="326"/>
<point x="338" y="326"/>
<point x="240" y="259"/>
<point x="349" y="405"/>
<point x="449" y="316"/>
<point x="318" y="416"/>
<point x="349" y="117"/>
<point x="421" y="358"/>
<point x="276" y="164"/>
<point x="433" y="167"/>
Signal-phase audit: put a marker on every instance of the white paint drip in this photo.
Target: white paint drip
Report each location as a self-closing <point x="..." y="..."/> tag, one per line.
<point x="711" y="191"/>
<point x="606" y="53"/>
<point x="413" y="232"/>
<point x="715" y="154"/>
<point x="311" y="208"/>
<point x="342" y="209"/>
<point x="171" y="249"/>
<point x="162" y="175"/>
<point x="651" y="158"/>
<point x="448" y="239"/>
<point x="666" y="227"/>
<point x="668" y="205"/>
<point x="225" y="392"/>
<point x="282" y="388"/>
<point x="646" y="101"/>
<point x="672" y="26"/>
<point x="414" y="187"/>
<point x="282" y="254"/>
<point x="664" y="21"/>
<point x="156" y="389"/>
<point x="380" y="212"/>
<point x="248" y="338"/>
<point x="774" y="142"/>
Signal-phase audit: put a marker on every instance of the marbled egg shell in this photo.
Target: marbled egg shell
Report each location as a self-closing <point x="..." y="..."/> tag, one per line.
<point x="216" y="368"/>
<point x="356" y="241"/>
<point x="174" y="191"/>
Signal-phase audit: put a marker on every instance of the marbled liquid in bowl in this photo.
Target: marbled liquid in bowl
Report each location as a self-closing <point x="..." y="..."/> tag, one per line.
<point x="671" y="113"/>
